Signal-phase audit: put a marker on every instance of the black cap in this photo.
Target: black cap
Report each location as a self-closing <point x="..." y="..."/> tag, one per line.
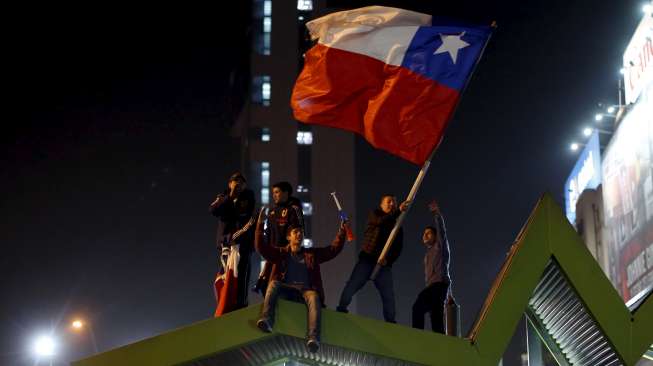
<point x="237" y="175"/>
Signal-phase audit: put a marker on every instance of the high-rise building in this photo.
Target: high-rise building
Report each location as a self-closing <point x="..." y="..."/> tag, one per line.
<point x="314" y="159"/>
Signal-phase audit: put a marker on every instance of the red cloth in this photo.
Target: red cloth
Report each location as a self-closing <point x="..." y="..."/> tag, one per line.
<point x="393" y="108"/>
<point x="225" y="289"/>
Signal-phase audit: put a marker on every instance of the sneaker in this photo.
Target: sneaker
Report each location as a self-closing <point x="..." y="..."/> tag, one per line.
<point x="313" y="345"/>
<point x="341" y="309"/>
<point x="263" y="325"/>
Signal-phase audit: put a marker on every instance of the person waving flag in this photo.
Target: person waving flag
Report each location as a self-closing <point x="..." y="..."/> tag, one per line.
<point x="393" y="76"/>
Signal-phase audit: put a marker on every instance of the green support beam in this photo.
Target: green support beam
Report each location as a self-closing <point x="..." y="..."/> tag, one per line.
<point x="546" y="234"/>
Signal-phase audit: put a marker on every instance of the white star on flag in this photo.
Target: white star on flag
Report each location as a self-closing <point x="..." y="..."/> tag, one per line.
<point x="451" y="44"/>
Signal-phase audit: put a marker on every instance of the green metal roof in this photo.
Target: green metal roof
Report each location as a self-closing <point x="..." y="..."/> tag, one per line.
<point x="349" y="339"/>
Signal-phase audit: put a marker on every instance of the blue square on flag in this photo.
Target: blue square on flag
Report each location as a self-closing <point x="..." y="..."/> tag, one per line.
<point x="445" y="54"/>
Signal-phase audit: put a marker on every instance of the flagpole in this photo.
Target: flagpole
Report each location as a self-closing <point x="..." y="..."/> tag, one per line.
<point x="422" y="172"/>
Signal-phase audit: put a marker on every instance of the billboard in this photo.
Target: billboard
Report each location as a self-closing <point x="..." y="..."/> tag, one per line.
<point x="585" y="175"/>
<point x="628" y="199"/>
<point x="638" y="60"/>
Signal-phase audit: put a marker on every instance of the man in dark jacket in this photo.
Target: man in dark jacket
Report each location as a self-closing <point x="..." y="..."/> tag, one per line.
<point x="296" y="276"/>
<point x="287" y="212"/>
<point x="436" y="273"/>
<point x="379" y="225"/>
<point x="235" y="208"/>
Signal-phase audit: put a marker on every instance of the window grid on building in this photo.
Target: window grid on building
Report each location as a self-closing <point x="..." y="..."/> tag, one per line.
<point x="262" y="26"/>
<point x="261" y="89"/>
<point x="307" y="208"/>
<point x="266" y="89"/>
<point x="304" y="137"/>
<point x="305" y="5"/>
<point x="265" y="134"/>
<point x="265" y="182"/>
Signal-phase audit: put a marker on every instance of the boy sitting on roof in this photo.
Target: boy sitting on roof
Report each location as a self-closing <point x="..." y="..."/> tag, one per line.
<point x="295" y="276"/>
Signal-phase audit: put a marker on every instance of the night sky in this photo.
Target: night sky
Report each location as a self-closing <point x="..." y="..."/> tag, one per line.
<point x="116" y="138"/>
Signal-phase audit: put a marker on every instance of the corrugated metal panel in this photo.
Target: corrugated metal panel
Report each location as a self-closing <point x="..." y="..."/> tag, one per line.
<point x="560" y="313"/>
<point x="285" y="347"/>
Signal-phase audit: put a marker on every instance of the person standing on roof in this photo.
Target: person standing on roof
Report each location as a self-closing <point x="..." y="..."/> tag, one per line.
<point x="235" y="240"/>
<point x="379" y="225"/>
<point x="436" y="274"/>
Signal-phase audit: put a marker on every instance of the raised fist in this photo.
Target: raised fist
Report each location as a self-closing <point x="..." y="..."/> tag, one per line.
<point x="433" y="207"/>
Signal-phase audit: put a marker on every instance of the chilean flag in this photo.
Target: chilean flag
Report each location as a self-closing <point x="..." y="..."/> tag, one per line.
<point x="387" y="74"/>
<point x="225" y="285"/>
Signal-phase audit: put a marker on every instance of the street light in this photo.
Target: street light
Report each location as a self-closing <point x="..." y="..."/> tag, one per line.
<point x="587" y="131"/>
<point x="44" y="346"/>
<point x="77" y="324"/>
<point x="598" y="117"/>
<point x="647" y="9"/>
<point x="573" y="146"/>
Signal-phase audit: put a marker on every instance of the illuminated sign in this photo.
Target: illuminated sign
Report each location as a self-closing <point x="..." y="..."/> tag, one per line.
<point x="585" y="175"/>
<point x="638" y="60"/>
<point x="628" y="200"/>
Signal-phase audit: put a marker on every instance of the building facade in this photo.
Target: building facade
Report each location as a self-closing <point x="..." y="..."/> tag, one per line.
<point x="275" y="147"/>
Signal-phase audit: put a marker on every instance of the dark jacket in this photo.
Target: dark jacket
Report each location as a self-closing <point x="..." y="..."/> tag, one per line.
<point x="313" y="257"/>
<point x="282" y="216"/>
<point x="379" y="226"/>
<point x="236" y="220"/>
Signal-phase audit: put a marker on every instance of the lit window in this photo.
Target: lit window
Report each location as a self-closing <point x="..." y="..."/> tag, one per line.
<point x="265" y="91"/>
<point x="266" y="44"/>
<point x="267" y="8"/>
<point x="262" y="26"/>
<point x="307" y="208"/>
<point x="265" y="182"/>
<point x="307" y="243"/>
<point x="305" y="5"/>
<point x="267" y="24"/>
<point x="304" y="137"/>
<point x="261" y="89"/>
<point x="265" y="134"/>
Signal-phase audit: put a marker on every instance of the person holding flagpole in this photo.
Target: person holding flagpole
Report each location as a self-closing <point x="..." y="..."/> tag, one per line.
<point x="379" y="225"/>
<point x="391" y="75"/>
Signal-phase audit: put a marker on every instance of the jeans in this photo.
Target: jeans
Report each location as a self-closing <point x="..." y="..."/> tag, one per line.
<point x="431" y="300"/>
<point x="294" y="293"/>
<point x="383" y="282"/>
